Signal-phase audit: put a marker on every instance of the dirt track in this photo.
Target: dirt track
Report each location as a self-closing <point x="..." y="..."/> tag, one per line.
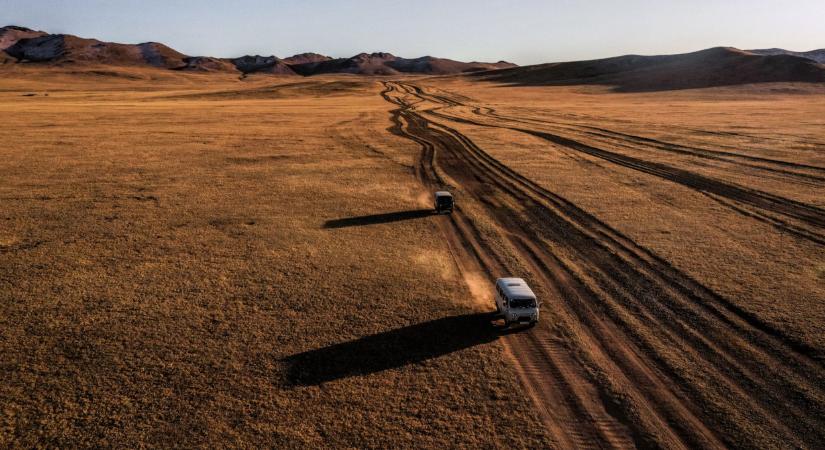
<point x="632" y="351"/>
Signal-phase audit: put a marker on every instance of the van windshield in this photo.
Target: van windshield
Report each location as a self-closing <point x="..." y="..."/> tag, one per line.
<point x="523" y="303"/>
<point x="445" y="200"/>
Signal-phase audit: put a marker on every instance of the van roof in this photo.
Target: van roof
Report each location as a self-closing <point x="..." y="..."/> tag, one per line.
<point x="515" y="288"/>
<point x="443" y="194"/>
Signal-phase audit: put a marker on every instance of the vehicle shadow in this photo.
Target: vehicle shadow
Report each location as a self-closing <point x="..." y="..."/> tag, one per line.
<point x="374" y="219"/>
<point x="391" y="349"/>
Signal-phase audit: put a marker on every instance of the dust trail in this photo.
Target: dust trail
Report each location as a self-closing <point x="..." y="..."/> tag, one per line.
<point x="480" y="289"/>
<point x="424" y="200"/>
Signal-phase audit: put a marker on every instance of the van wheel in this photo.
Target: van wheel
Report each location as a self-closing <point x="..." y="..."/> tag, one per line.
<point x="533" y="323"/>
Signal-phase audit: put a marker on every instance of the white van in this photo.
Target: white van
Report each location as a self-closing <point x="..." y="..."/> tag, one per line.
<point x="516" y="302"/>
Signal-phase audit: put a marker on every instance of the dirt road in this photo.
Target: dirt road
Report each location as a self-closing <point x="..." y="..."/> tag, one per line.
<point x="631" y="351"/>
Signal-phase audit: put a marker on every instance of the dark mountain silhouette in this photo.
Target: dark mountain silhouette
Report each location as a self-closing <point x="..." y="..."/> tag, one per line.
<point x="262" y="64"/>
<point x="363" y="64"/>
<point x="388" y="64"/>
<point x="305" y="58"/>
<point x="442" y="66"/>
<point x="720" y="66"/>
<point x="208" y="64"/>
<point x="816" y="55"/>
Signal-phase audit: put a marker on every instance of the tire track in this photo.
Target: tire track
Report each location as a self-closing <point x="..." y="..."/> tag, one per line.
<point x="609" y="234"/>
<point x="611" y="338"/>
<point x="719" y="155"/>
<point x="811" y="215"/>
<point x="762" y="200"/>
<point x="783" y="226"/>
<point x="452" y="99"/>
<point x="764" y="203"/>
<point x="547" y="374"/>
<point x="776" y="383"/>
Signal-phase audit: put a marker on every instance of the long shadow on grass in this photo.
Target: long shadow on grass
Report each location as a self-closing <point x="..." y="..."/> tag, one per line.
<point x="378" y="218"/>
<point x="391" y="349"/>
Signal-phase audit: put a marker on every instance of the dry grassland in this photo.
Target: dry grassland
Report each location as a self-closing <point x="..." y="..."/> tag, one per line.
<point x="181" y="265"/>
<point x="677" y="237"/>
<point x="196" y="260"/>
<point x="769" y="138"/>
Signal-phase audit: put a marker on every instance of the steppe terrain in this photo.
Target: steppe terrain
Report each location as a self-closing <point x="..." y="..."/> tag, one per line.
<point x="191" y="259"/>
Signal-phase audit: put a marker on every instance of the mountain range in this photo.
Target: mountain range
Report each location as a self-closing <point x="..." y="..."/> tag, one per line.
<point x="718" y="66"/>
<point x="24" y="45"/>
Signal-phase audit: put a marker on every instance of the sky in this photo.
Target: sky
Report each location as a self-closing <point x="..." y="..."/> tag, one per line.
<point x="524" y="32"/>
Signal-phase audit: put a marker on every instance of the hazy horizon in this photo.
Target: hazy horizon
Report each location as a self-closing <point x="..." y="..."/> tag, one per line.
<point x="487" y="30"/>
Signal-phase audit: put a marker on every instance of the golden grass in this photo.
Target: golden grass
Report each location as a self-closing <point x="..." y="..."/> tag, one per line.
<point x="166" y="277"/>
<point x="198" y="260"/>
<point x="702" y="255"/>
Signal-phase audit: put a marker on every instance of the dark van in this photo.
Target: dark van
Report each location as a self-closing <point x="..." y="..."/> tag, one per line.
<point x="444" y="202"/>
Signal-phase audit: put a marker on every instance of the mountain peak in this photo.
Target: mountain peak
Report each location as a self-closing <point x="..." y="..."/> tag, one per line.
<point x="374" y="55"/>
<point x="10" y="34"/>
<point x="262" y="64"/>
<point x="306" y="58"/>
<point x="16" y="28"/>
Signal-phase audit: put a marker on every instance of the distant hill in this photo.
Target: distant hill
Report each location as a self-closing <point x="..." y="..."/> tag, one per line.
<point x="720" y="66"/>
<point x="442" y="66"/>
<point x="23" y="45"/>
<point x="262" y="64"/>
<point x="305" y="58"/>
<point x="388" y="64"/>
<point x="208" y="64"/>
<point x="9" y="35"/>
<point x="64" y="48"/>
<point x="363" y="64"/>
<point x="816" y="55"/>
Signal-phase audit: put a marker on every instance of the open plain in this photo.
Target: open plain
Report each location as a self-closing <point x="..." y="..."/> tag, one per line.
<point x="195" y="259"/>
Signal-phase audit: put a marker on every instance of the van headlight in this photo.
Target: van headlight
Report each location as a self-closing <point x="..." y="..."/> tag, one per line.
<point x="513" y="316"/>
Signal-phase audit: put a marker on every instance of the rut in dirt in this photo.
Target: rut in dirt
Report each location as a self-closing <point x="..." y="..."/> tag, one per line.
<point x="625" y="310"/>
<point x="774" y="210"/>
<point x="571" y="421"/>
<point x="808" y="214"/>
